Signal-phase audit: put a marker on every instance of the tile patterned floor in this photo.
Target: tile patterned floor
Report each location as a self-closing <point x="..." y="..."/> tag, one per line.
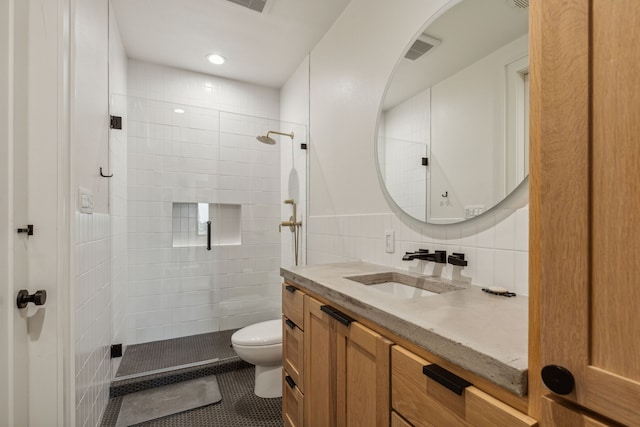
<point x="239" y="407"/>
<point x="150" y="356"/>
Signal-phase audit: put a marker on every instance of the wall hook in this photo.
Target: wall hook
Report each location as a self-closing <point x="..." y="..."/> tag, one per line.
<point x="446" y="194"/>
<point x="103" y="175"/>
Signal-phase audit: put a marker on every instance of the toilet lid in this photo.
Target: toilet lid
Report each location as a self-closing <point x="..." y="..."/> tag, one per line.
<point x="263" y="333"/>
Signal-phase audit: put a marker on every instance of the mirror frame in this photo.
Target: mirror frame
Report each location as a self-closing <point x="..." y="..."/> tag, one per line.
<point x="516" y="199"/>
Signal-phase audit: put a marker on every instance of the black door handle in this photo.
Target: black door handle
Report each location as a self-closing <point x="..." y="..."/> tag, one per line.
<point x="38" y="298"/>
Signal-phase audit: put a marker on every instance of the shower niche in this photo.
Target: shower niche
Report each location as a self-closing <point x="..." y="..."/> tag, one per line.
<point x="191" y="224"/>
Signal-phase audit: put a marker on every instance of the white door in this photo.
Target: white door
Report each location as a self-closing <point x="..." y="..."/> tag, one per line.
<point x="35" y="376"/>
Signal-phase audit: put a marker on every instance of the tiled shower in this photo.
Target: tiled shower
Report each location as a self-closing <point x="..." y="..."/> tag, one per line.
<point x="188" y="161"/>
<point x="186" y="166"/>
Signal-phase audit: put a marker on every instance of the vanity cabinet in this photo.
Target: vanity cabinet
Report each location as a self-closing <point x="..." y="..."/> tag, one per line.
<point x="346" y="370"/>
<point x="354" y="375"/>
<point x="447" y="400"/>
<point x="292" y="356"/>
<point x="584" y="204"/>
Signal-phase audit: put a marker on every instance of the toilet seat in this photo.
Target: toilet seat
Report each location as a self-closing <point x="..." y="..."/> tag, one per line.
<point x="259" y="334"/>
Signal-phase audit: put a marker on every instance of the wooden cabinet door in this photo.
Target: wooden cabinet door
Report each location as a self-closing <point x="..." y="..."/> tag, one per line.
<point x="363" y="395"/>
<point x="585" y="201"/>
<point x="557" y="414"/>
<point x="319" y="366"/>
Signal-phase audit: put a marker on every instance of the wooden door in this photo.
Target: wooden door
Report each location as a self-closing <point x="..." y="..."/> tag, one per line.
<point x="585" y="202"/>
<point x="319" y="366"/>
<point x="363" y="369"/>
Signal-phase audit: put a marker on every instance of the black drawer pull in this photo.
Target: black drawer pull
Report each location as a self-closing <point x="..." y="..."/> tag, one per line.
<point x="339" y="316"/>
<point x="290" y="324"/>
<point x="290" y="381"/>
<point x="446" y="378"/>
<point x="291" y="288"/>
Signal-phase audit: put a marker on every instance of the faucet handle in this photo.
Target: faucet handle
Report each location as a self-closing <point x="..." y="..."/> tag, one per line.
<point x="457" y="259"/>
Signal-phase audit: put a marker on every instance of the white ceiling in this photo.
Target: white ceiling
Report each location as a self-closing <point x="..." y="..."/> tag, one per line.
<point x="263" y="48"/>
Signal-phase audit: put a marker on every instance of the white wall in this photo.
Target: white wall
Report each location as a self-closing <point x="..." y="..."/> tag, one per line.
<point x="92" y="316"/>
<point x="100" y="253"/>
<point x="404" y="134"/>
<point x="200" y="90"/>
<point x="473" y="139"/>
<point x="350" y="68"/>
<point x="294" y="107"/>
<point x="203" y="155"/>
<point x="90" y="118"/>
<point x="348" y="212"/>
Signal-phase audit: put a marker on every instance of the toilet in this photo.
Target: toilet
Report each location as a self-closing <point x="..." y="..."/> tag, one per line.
<point x="261" y="345"/>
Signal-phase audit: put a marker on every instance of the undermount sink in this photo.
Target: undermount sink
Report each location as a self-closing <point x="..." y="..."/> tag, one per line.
<point x="403" y="285"/>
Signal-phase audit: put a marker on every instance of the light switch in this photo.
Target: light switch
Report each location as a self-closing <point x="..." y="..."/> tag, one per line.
<point x="85" y="200"/>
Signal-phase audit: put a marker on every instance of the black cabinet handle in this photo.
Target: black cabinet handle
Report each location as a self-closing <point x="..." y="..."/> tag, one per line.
<point x="291" y="288"/>
<point x="290" y="381"/>
<point x="558" y="379"/>
<point x="338" y="315"/>
<point x="290" y="324"/>
<point x="208" y="235"/>
<point x="446" y="378"/>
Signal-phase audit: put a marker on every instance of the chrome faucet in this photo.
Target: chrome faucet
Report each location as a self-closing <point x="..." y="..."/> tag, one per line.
<point x="424" y="255"/>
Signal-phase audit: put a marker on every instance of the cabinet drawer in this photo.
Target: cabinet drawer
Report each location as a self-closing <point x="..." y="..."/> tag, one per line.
<point x="292" y="402"/>
<point x="424" y="401"/>
<point x="293" y="351"/>
<point x="293" y="304"/>
<point x="398" y="421"/>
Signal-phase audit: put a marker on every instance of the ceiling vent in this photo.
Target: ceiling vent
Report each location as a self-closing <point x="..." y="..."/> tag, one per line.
<point x="257" y="5"/>
<point x="422" y="45"/>
<point x="522" y="4"/>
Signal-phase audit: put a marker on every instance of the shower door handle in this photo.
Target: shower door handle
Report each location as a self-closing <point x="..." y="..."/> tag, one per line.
<point x="208" y="235"/>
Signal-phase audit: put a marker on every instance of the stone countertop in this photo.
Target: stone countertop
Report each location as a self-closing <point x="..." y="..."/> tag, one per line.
<point x="482" y="333"/>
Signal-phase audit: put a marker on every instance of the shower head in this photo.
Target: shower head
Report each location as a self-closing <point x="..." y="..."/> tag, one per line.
<point x="266" y="139"/>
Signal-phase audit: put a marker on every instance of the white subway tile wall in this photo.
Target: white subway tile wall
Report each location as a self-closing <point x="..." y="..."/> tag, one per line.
<point x="199" y="154"/>
<point x="404" y="135"/>
<point x="497" y="256"/>
<point x="92" y="316"/>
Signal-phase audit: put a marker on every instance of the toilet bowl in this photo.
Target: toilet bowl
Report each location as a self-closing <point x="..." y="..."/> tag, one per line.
<point x="261" y="344"/>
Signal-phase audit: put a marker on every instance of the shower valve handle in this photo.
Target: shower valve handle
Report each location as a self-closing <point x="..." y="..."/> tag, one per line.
<point x="291" y="224"/>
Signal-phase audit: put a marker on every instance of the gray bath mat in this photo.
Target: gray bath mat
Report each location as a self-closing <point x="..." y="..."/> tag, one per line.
<point x="171" y="399"/>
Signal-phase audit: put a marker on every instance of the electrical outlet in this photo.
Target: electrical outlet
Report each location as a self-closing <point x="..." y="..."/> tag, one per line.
<point x="389" y="241"/>
<point x="473" y="210"/>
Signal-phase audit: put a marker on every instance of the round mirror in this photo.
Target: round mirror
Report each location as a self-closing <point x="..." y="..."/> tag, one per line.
<point x="453" y="128"/>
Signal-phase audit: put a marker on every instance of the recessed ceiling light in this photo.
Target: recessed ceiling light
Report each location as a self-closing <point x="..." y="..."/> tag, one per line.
<point x="178" y="111"/>
<point x="216" y="59"/>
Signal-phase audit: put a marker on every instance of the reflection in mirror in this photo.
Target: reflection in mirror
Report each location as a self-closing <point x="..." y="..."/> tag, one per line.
<point x="453" y="129"/>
